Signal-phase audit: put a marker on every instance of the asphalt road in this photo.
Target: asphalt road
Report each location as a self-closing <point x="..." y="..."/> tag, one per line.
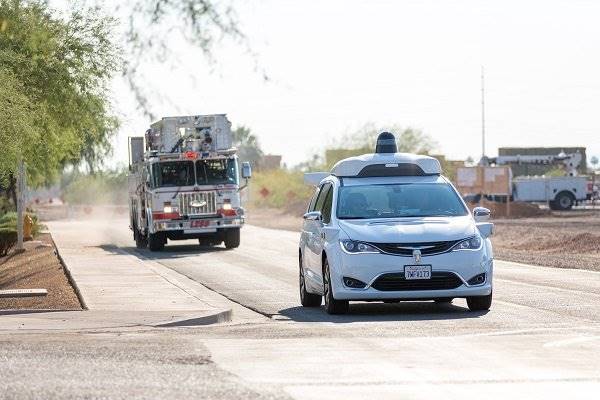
<point x="541" y="339"/>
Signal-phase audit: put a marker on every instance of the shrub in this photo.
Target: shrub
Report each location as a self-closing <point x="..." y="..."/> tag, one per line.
<point x="102" y="188"/>
<point x="8" y="238"/>
<point x="9" y="221"/>
<point x="280" y="188"/>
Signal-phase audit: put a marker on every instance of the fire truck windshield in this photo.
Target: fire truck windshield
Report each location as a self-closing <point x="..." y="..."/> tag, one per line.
<point x="216" y="172"/>
<point x="173" y="174"/>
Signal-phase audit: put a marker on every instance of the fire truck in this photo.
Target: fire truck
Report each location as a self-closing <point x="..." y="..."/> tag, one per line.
<point x="184" y="183"/>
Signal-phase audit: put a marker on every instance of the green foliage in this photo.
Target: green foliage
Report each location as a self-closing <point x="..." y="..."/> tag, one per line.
<point x="54" y="72"/>
<point x="8" y="239"/>
<point x="286" y="189"/>
<point x="364" y="140"/>
<point x="101" y="188"/>
<point x="155" y="24"/>
<point x="8" y="230"/>
<point x="9" y="221"/>
<point x="247" y="144"/>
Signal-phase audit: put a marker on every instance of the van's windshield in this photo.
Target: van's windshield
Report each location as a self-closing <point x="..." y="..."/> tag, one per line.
<point x="398" y="200"/>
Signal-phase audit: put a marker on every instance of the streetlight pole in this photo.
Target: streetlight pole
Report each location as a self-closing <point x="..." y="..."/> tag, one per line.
<point x="482" y="114"/>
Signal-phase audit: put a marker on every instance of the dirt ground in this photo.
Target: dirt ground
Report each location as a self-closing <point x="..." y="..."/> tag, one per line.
<point x="37" y="268"/>
<point x="563" y="240"/>
<point x="569" y="239"/>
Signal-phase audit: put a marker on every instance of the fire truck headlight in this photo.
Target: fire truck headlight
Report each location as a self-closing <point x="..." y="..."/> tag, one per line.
<point x="227" y="206"/>
<point x="168" y="209"/>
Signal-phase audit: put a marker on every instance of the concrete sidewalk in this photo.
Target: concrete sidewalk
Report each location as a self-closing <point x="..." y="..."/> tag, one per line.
<point x="121" y="289"/>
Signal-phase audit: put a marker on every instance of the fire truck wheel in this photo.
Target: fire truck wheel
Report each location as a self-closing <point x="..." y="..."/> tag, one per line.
<point x="156" y="241"/>
<point x="232" y="238"/>
<point x="140" y="240"/>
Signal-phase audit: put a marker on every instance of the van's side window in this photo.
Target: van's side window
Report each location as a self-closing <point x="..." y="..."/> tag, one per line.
<point x="313" y="201"/>
<point x="325" y="189"/>
<point x="326" y="211"/>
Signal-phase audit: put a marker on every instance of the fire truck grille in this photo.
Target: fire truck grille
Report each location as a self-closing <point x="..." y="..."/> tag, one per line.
<point x="198" y="203"/>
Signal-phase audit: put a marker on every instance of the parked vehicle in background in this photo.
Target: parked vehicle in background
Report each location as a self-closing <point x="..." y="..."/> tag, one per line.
<point x="184" y="183"/>
<point x="560" y="193"/>
<point x="388" y="227"/>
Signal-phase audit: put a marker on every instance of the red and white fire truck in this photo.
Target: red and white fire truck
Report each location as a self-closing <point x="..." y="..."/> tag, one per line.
<point x="184" y="183"/>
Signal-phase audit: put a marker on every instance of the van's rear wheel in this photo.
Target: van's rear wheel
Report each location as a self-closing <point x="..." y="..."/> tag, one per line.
<point x="156" y="241"/>
<point x="232" y="238"/>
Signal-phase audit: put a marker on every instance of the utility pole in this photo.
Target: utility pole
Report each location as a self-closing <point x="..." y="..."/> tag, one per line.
<point x="20" y="203"/>
<point x="482" y="114"/>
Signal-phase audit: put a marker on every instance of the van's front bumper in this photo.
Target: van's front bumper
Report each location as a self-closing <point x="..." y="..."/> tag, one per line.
<point x="343" y="293"/>
<point x="368" y="268"/>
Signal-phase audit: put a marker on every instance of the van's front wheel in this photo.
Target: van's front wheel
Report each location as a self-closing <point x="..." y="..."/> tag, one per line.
<point x="479" y="303"/>
<point x="332" y="306"/>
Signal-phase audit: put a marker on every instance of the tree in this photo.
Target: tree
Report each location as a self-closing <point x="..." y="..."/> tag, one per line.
<point x="54" y="72"/>
<point x="154" y="25"/>
<point x="247" y="144"/>
<point x="594" y="161"/>
<point x="364" y="140"/>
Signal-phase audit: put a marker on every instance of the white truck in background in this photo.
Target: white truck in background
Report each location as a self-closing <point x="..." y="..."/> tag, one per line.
<point x="184" y="183"/>
<point x="561" y="193"/>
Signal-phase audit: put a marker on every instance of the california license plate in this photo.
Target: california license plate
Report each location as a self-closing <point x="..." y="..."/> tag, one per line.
<point x="417" y="272"/>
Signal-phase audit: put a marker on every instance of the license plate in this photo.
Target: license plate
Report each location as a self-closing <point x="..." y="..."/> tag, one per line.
<point x="199" y="223"/>
<point x="417" y="272"/>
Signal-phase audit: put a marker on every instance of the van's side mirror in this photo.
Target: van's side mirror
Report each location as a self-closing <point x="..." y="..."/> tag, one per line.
<point x="481" y="214"/>
<point x="246" y="170"/>
<point x="313" y="216"/>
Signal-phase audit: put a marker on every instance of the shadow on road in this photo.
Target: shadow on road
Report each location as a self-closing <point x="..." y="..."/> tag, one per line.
<point x="169" y="252"/>
<point x="378" y="312"/>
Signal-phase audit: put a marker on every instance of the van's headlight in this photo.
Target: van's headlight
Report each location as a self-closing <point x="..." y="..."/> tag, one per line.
<point x="354" y="247"/>
<point x="472" y="243"/>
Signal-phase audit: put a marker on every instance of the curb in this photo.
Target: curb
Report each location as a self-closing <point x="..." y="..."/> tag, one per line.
<point x="68" y="274"/>
<point x="17" y="311"/>
<point x="213" y="318"/>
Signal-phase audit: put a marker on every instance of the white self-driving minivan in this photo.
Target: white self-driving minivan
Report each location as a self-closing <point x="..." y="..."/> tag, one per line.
<point x="388" y="227"/>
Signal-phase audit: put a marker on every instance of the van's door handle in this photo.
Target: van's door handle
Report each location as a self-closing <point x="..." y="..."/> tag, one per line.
<point x="322" y="235"/>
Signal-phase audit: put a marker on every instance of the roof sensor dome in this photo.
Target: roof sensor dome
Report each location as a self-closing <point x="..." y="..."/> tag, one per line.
<point x="386" y="143"/>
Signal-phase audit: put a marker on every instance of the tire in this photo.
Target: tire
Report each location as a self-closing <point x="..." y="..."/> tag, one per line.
<point x="564" y="201"/>
<point x="442" y="300"/>
<point x="307" y="299"/>
<point x="232" y="238"/>
<point x="156" y="241"/>
<point x="332" y="306"/>
<point x="479" y="303"/>
<point x="140" y="240"/>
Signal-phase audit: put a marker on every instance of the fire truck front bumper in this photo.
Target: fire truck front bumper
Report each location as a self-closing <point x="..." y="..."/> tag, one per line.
<point x="194" y="227"/>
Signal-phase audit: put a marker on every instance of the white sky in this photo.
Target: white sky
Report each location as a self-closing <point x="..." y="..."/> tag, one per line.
<point x="337" y="64"/>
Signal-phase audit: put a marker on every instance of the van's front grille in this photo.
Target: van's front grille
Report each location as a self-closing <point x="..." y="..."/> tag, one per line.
<point x="396" y="282"/>
<point x="197" y="203"/>
<point x="406" y="249"/>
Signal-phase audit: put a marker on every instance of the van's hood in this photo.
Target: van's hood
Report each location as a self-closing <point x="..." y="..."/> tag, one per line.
<point x="409" y="230"/>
